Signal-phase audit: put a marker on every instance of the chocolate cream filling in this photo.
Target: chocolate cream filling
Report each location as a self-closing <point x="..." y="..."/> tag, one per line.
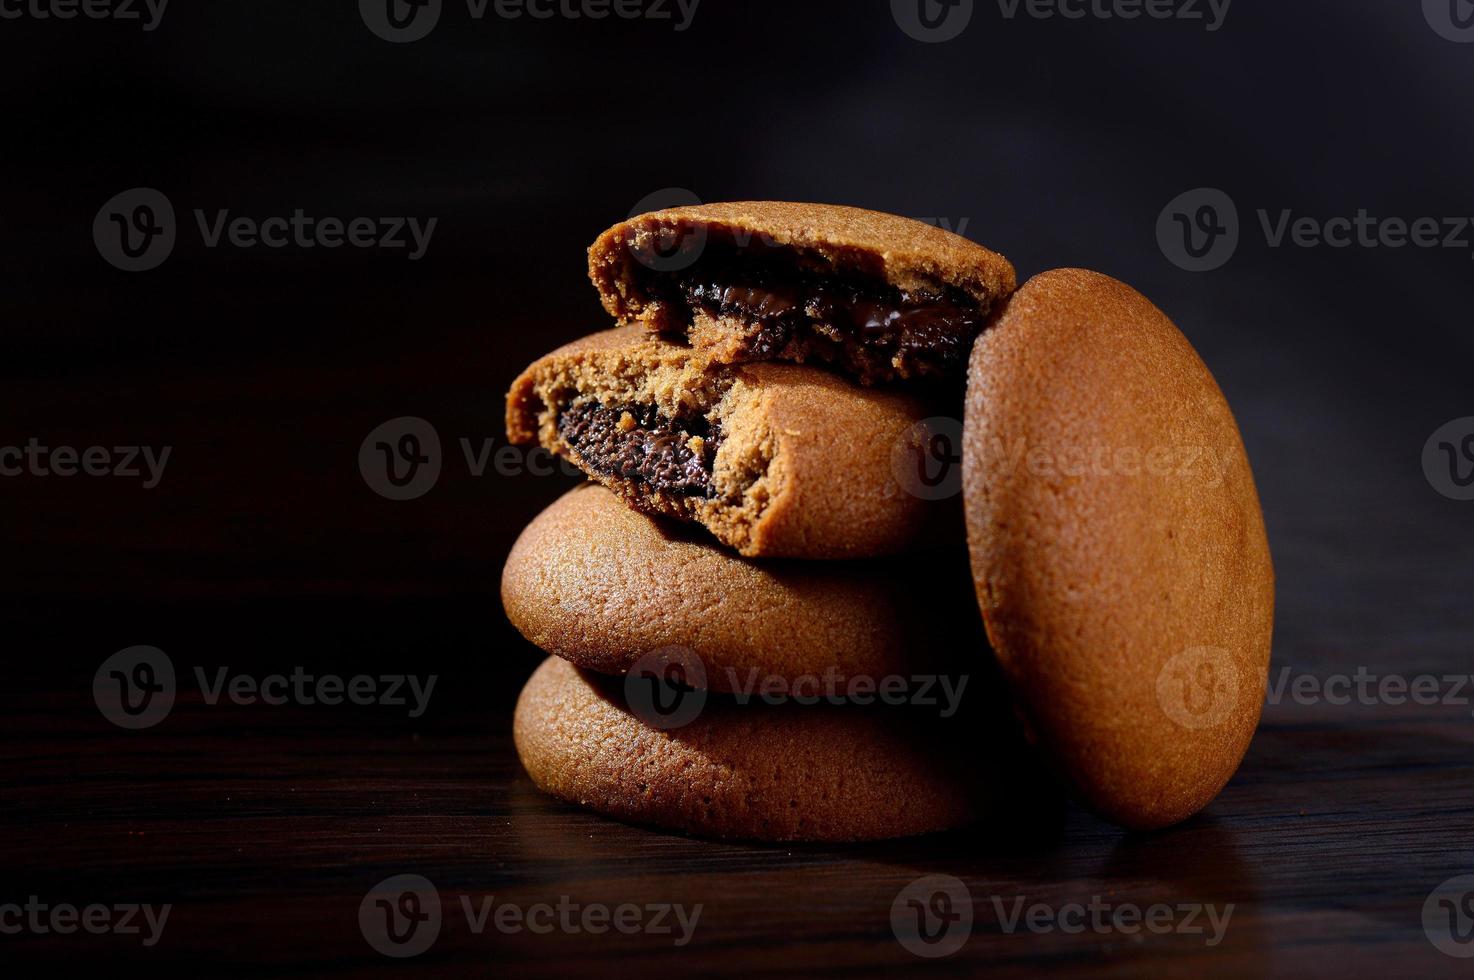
<point x="827" y="311"/>
<point x="639" y="444"/>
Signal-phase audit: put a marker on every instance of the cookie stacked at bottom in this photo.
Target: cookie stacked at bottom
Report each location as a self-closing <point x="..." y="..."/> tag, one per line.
<point x="747" y="642"/>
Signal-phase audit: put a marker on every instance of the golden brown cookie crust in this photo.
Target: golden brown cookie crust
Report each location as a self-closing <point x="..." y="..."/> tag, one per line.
<point x="910" y="255"/>
<point x="754" y="771"/>
<point x="805" y="466"/>
<point x="602" y="586"/>
<point x="1129" y="597"/>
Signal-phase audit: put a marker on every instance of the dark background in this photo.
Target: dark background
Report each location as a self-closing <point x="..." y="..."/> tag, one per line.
<point x="1058" y="142"/>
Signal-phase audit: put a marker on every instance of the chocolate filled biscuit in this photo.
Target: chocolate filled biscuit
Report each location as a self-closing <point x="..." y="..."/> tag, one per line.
<point x="776" y="460"/>
<point x="875" y="296"/>
<point x="604" y="586"/>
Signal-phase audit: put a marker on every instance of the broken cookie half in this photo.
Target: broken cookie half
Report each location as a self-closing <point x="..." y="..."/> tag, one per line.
<point x="876" y="296"/>
<point x="774" y="459"/>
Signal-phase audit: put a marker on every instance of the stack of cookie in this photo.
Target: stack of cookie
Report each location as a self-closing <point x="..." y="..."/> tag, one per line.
<point x="758" y="558"/>
<point x="762" y="546"/>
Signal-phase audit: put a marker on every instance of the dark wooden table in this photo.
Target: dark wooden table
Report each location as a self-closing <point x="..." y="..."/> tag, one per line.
<point x="265" y="827"/>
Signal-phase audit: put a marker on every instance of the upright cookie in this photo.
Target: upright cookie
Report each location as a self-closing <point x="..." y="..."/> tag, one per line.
<point x="1118" y="547"/>
<point x="776" y="460"/>
<point x="756" y="771"/>
<point x="603" y="586"/>
<point x="874" y="295"/>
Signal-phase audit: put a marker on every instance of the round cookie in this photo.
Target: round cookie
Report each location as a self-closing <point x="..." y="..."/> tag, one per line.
<point x="754" y="771"/>
<point x="602" y="585"/>
<point x="876" y="296"/>
<point x="1118" y="547"/>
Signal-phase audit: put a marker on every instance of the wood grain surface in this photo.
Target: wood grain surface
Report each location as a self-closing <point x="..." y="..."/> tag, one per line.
<point x="265" y="827"/>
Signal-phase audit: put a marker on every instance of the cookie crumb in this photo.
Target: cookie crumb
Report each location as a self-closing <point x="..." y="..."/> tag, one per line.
<point x="696" y="444"/>
<point x="626" y="422"/>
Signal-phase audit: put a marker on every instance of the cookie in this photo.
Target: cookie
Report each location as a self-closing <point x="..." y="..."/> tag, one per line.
<point x="1118" y="547"/>
<point x="756" y="771"/>
<point x="776" y="460"/>
<point x="876" y="296"/>
<point x="604" y="586"/>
